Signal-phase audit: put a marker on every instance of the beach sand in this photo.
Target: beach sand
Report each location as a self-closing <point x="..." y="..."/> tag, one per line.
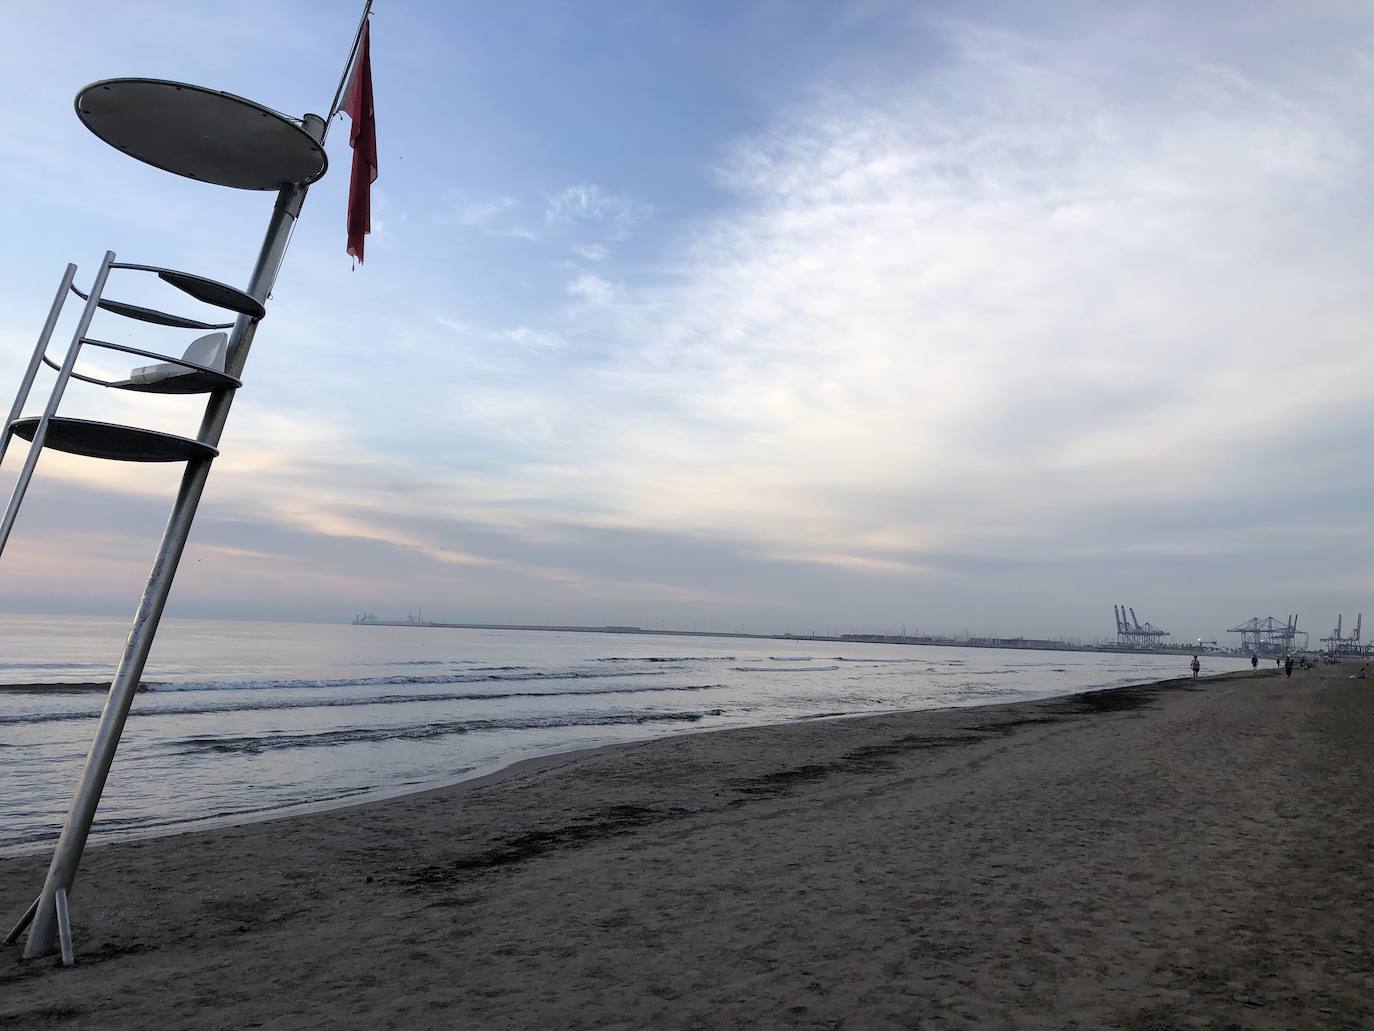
<point x="1192" y="854"/>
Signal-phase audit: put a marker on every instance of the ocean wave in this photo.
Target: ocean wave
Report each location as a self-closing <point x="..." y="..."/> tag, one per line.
<point x="57" y="665"/>
<point x="494" y="675"/>
<point x="257" y="744"/>
<point x="785" y="669"/>
<point x="880" y="662"/>
<point x="337" y="703"/>
<point x="667" y="658"/>
<point x="61" y="687"/>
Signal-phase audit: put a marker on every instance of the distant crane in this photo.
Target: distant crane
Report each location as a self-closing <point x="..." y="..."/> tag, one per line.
<point x="1134" y="634"/>
<point x="1338" y="645"/>
<point x="1267" y="636"/>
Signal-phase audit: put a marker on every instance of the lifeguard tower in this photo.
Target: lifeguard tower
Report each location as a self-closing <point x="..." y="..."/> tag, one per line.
<point x="221" y="140"/>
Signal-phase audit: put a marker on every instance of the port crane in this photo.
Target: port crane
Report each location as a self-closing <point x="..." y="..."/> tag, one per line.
<point x="1338" y="644"/>
<point x="1133" y="633"/>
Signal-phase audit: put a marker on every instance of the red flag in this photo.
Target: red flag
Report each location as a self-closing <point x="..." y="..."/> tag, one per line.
<point x="362" y="137"/>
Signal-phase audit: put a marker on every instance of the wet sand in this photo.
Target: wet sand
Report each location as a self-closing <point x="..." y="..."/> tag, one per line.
<point x="1191" y="854"/>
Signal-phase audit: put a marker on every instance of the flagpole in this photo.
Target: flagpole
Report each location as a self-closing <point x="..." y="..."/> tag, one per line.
<point x="348" y="67"/>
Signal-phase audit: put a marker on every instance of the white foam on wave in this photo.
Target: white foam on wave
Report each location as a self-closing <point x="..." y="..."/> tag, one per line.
<point x="507" y="674"/>
<point x="666" y="658"/>
<point x="879" y="662"/>
<point x="786" y="669"/>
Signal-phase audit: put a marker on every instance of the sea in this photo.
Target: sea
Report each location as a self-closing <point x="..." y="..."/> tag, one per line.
<point x="241" y="720"/>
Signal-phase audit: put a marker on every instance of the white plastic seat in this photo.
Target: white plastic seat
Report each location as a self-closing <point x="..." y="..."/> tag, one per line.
<point x="208" y="351"/>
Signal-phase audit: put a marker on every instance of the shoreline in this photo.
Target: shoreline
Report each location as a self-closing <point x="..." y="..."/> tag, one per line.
<point x="480" y="777"/>
<point x="1175" y="854"/>
<point x="495" y="772"/>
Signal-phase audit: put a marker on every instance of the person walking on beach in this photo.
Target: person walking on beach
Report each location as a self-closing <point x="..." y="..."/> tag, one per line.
<point x="1196" y="667"/>
<point x="1254" y="664"/>
<point x="1288" y="666"/>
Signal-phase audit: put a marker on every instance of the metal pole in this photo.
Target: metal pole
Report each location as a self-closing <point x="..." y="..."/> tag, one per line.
<point x="37" y="358"/>
<point x="67" y="856"/>
<point x="40" y="433"/>
<point x="348" y="66"/>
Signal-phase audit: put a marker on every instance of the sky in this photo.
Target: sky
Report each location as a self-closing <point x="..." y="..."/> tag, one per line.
<point x="781" y="317"/>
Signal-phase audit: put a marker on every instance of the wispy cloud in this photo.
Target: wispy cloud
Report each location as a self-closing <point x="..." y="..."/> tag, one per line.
<point x="480" y="212"/>
<point x="495" y="216"/>
<point x="592" y="289"/>
<point x="588" y="204"/>
<point x="519" y="335"/>
<point x="524" y="336"/>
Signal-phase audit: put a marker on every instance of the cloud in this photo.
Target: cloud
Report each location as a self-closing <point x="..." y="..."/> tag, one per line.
<point x="480" y="213"/>
<point x="592" y="289"/>
<point x="587" y="204"/>
<point x="982" y="319"/>
<point x="1065" y="314"/>
<point x="1001" y="308"/>
<point x="494" y="216"/>
<point x="524" y="336"/>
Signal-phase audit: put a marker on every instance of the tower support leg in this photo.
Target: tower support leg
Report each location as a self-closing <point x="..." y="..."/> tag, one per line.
<point x="22" y="923"/>
<point x="64" y="927"/>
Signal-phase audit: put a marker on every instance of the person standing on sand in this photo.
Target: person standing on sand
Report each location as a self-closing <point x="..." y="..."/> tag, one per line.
<point x="1196" y="667"/>
<point x="1288" y="666"/>
<point x="1254" y="664"/>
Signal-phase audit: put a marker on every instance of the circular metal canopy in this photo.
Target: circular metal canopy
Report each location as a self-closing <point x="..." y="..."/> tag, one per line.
<point x="200" y="133"/>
